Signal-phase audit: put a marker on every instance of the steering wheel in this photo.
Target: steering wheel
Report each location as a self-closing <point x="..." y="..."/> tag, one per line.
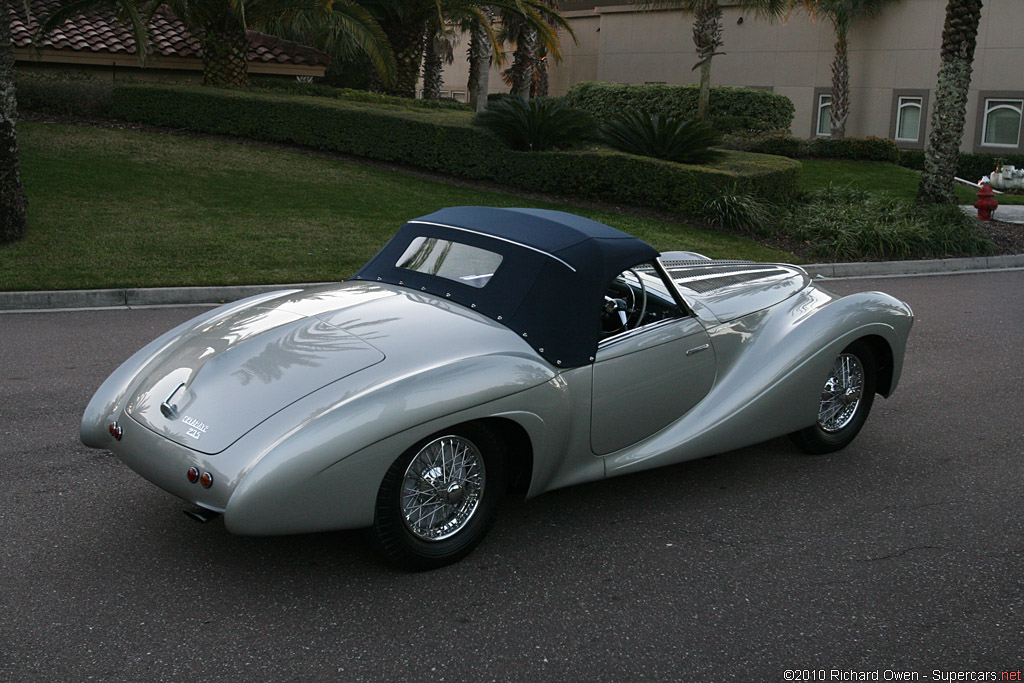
<point x="616" y="306"/>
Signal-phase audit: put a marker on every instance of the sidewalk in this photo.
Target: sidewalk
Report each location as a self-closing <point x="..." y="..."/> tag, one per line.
<point x="13" y="302"/>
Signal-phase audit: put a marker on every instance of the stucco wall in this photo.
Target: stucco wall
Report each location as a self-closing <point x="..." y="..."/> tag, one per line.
<point x="897" y="51"/>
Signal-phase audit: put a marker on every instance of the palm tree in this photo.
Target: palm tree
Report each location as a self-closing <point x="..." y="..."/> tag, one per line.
<point x="405" y="23"/>
<point x="440" y="50"/>
<point x="843" y="14"/>
<point x="222" y="26"/>
<point x="959" y="37"/>
<point x="481" y="51"/>
<point x="707" y="32"/>
<point x="13" y="203"/>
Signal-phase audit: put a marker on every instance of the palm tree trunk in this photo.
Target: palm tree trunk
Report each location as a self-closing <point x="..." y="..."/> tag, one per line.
<point x="479" y="68"/>
<point x="523" y="61"/>
<point x="707" y="36"/>
<point x="433" y="63"/>
<point x="839" y="110"/>
<point x="225" y="55"/>
<point x="407" y="41"/>
<point x="959" y="38"/>
<point x="539" y="84"/>
<point x="13" y="215"/>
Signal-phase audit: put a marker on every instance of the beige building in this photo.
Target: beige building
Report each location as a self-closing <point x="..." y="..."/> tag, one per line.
<point x="894" y="61"/>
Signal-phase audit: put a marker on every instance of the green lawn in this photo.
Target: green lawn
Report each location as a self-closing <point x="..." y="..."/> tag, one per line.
<point x="878" y="176"/>
<point x="128" y="209"/>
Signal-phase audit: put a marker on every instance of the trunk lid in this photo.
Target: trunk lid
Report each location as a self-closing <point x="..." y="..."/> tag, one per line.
<point x="221" y="380"/>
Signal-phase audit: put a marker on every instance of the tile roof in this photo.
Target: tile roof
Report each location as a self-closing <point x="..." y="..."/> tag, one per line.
<point x="101" y="32"/>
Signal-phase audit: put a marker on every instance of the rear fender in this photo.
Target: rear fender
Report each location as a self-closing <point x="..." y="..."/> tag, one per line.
<point x="324" y="472"/>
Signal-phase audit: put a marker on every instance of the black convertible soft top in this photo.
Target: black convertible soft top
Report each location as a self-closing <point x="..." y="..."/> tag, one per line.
<point x="550" y="286"/>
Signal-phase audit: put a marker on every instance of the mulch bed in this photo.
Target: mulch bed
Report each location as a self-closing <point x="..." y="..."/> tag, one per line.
<point x="1008" y="237"/>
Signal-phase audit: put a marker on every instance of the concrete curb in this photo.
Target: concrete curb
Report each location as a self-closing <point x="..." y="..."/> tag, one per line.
<point x="183" y="296"/>
<point x="929" y="267"/>
<point x="134" y="297"/>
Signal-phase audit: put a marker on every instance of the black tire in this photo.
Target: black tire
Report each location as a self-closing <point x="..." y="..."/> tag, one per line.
<point x="834" y="433"/>
<point x="466" y="512"/>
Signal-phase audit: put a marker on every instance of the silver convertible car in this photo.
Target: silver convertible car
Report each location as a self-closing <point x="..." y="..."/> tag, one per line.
<point x="486" y="350"/>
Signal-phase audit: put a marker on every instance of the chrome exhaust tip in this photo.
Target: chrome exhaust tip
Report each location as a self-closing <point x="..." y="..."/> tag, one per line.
<point x="201" y="515"/>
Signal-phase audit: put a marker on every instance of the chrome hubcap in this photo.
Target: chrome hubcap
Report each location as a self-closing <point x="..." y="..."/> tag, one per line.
<point x="842" y="393"/>
<point x="442" y="488"/>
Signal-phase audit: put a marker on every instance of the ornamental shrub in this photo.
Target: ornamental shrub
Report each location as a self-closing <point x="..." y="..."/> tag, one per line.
<point x="662" y="137"/>
<point x="536" y="125"/>
<point x="844" y="223"/>
<point x="732" y="108"/>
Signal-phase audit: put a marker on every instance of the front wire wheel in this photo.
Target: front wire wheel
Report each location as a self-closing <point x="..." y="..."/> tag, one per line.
<point x="845" y="402"/>
<point x="439" y="498"/>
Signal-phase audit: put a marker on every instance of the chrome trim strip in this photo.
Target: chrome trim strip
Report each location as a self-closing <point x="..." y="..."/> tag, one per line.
<point x="629" y="334"/>
<point x="672" y="286"/>
<point x="493" y="237"/>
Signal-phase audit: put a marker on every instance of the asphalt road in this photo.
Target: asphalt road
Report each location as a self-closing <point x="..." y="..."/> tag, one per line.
<point x="903" y="553"/>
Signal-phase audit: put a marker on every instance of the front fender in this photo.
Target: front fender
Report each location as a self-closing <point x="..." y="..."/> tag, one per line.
<point x="772" y="365"/>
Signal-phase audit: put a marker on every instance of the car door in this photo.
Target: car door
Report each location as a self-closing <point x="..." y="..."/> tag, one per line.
<point x="646" y="378"/>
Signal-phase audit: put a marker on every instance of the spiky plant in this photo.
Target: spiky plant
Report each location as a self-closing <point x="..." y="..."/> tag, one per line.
<point x="662" y="137"/>
<point x="738" y="211"/>
<point x="537" y="125"/>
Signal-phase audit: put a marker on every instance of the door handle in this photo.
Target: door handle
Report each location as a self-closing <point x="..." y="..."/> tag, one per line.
<point x="698" y="349"/>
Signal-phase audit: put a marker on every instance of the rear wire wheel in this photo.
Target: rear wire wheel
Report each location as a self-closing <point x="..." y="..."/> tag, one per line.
<point x="439" y="498"/>
<point x="846" y="399"/>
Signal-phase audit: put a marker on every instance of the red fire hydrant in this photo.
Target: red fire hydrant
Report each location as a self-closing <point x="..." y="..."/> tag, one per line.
<point x="986" y="203"/>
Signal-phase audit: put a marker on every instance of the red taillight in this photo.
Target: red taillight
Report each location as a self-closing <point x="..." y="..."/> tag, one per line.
<point x="206" y="481"/>
<point x="193" y="475"/>
<point x="115" y="430"/>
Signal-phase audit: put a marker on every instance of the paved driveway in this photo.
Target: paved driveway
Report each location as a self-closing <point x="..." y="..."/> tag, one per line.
<point x="905" y="552"/>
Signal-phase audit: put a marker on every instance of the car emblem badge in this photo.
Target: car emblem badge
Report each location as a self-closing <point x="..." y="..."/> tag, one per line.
<point x="196" y="428"/>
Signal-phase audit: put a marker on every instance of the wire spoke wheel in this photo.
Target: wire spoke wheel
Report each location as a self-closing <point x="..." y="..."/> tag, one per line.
<point x="439" y="498"/>
<point x="442" y="488"/>
<point x="844" y="403"/>
<point x="842" y="393"/>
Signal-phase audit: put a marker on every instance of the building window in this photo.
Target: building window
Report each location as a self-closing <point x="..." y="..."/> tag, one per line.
<point x="908" y="119"/>
<point x="1001" y="123"/>
<point x="824" y="115"/>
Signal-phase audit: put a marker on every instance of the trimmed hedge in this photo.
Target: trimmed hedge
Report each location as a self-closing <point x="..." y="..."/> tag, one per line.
<point x="861" y="149"/>
<point x="280" y="85"/>
<point x="731" y="109"/>
<point x="445" y="141"/>
<point x="968" y="166"/>
<point x="69" y="95"/>
<point x="856" y="149"/>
